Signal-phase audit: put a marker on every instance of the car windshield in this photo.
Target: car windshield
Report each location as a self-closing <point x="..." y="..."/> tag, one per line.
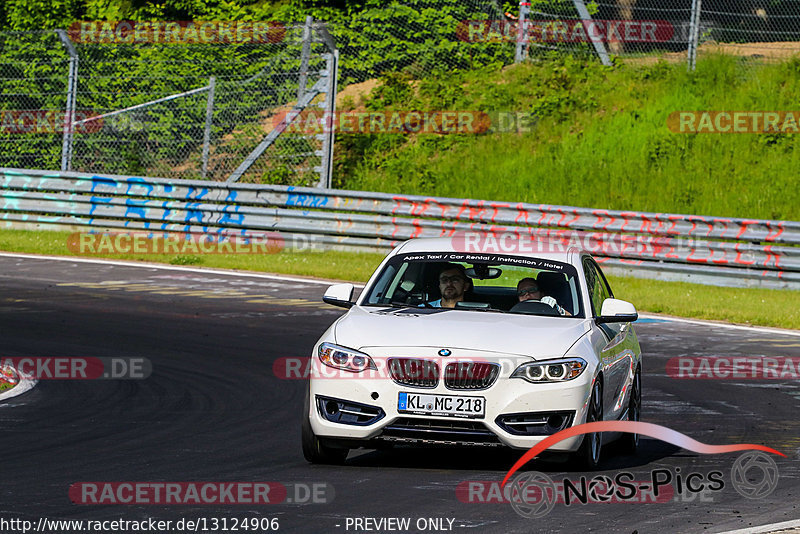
<point x="488" y="283"/>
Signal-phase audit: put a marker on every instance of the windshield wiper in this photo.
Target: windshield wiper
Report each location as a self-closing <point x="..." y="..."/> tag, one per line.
<point x="390" y="305"/>
<point x="483" y="310"/>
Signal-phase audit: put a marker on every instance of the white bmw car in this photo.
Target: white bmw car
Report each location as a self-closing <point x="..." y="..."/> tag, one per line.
<point x="451" y="347"/>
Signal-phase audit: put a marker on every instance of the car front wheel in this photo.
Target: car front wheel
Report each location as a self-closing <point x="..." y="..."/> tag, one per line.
<point x="630" y="442"/>
<point x="588" y="455"/>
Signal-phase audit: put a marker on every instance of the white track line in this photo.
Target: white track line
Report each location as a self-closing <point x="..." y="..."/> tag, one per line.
<point x="766" y="528"/>
<point x="225" y="272"/>
<point x="762" y="329"/>
<point x="142" y="265"/>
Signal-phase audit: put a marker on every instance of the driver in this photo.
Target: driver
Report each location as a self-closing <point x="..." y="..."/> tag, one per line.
<point x="528" y="289"/>
<point x="453" y="284"/>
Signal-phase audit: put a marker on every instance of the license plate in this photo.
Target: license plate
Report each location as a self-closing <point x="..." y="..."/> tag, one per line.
<point x="450" y="405"/>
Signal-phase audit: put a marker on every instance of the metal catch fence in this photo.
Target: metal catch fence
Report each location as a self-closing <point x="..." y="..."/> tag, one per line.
<point x="648" y="30"/>
<point x="117" y="97"/>
<point x="211" y="100"/>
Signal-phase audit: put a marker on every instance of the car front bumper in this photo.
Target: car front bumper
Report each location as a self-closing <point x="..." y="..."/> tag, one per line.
<point x="506" y="399"/>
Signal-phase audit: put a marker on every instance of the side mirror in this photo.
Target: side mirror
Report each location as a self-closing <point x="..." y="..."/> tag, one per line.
<point x="617" y="311"/>
<point x="339" y="295"/>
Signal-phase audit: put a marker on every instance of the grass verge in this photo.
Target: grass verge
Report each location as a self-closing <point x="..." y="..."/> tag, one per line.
<point x="764" y="307"/>
<point x="333" y="264"/>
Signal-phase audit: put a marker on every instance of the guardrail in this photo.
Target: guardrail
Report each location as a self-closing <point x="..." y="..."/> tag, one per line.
<point x="712" y="250"/>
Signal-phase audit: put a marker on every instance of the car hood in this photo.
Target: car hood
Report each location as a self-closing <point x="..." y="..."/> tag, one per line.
<point x="521" y="335"/>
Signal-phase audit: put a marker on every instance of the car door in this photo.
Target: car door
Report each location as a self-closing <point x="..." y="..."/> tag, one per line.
<point x="613" y="343"/>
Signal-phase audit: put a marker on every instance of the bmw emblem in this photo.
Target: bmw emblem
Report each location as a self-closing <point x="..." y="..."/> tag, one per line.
<point x="445" y="352"/>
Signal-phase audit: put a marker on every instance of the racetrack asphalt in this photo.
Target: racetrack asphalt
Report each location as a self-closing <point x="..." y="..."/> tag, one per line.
<point x="213" y="410"/>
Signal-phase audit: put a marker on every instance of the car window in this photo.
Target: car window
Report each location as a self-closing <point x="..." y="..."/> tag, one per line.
<point x="604" y="280"/>
<point x="490" y="283"/>
<point x="380" y="288"/>
<point x="596" y="285"/>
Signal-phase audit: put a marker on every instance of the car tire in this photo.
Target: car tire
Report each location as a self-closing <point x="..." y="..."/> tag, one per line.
<point x="588" y="455"/>
<point x="630" y="442"/>
<point x="315" y="450"/>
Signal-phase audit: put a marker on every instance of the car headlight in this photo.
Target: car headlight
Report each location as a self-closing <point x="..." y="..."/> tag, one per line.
<point x="344" y="358"/>
<point x="560" y="370"/>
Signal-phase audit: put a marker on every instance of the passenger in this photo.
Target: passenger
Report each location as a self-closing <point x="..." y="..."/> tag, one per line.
<point x="453" y="284"/>
<point x="528" y="289"/>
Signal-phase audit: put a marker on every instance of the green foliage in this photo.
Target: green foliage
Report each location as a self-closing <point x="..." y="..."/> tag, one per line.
<point x="186" y="260"/>
<point x="598" y="135"/>
<point x="599" y="139"/>
<point x="377" y="37"/>
<point x="374" y="37"/>
<point x="394" y="90"/>
<point x="28" y="15"/>
<point x="412" y="40"/>
<point x="157" y="139"/>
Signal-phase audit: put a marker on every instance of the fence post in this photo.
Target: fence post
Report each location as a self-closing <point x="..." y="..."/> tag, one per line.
<point x="326" y="174"/>
<point x="694" y="34"/>
<point x="306" y="52"/>
<point x="522" y="32"/>
<point x="209" y="118"/>
<point x="69" y="112"/>
<point x="599" y="47"/>
<point x="272" y="136"/>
